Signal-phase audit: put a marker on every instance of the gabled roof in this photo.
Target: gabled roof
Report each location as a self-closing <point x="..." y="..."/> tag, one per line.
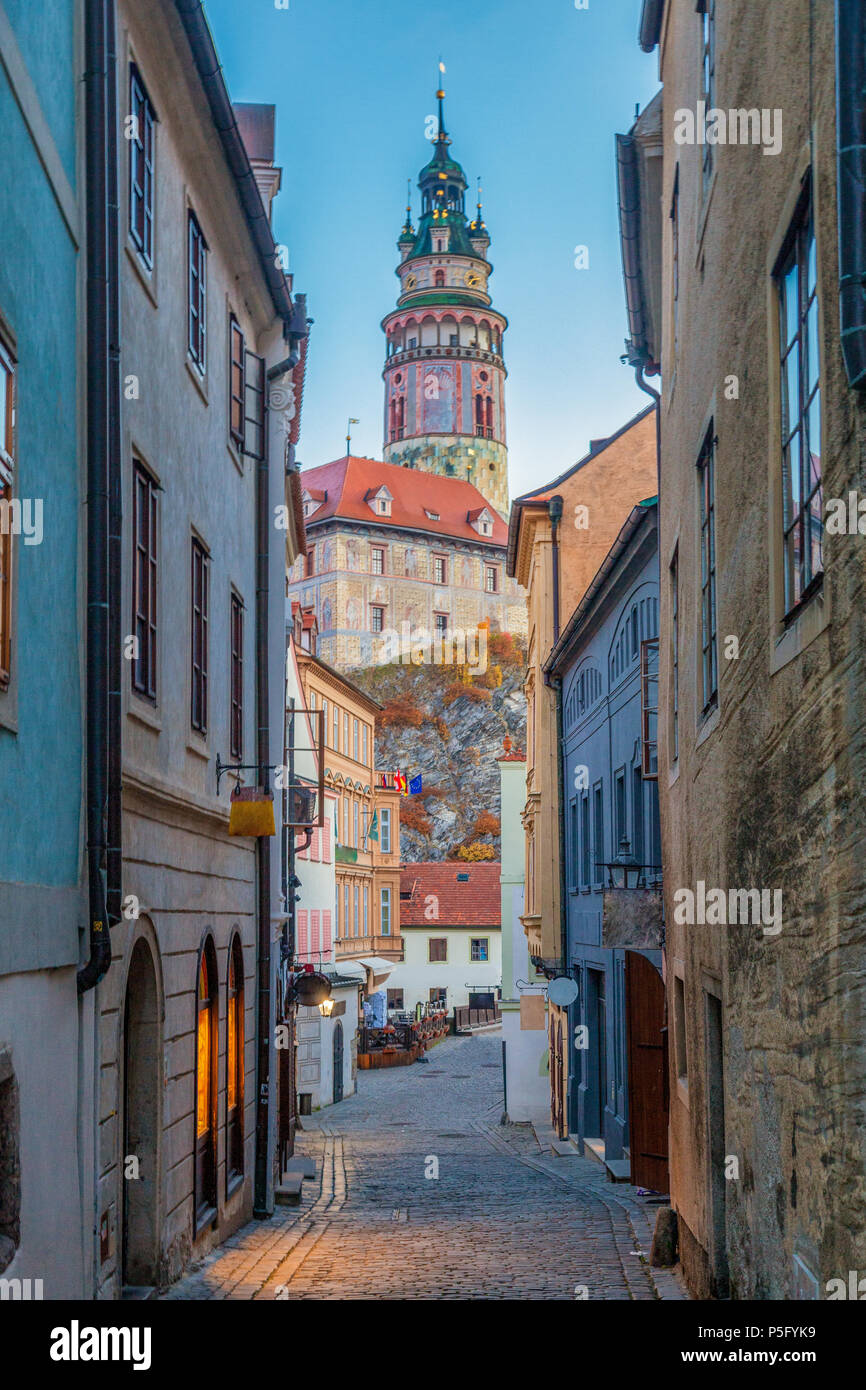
<point x="349" y="482"/>
<point x="468" y="895"/>
<point x="542" y="495"/>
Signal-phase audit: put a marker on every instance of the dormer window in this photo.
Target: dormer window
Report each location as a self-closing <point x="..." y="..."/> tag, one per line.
<point x="482" y="521"/>
<point x="379" y="500"/>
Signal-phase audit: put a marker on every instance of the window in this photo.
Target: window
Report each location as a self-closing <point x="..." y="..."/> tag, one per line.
<point x="437" y="948"/>
<point x="680" y="1029"/>
<point x="441" y="621"/>
<point x="324" y="723"/>
<point x="355" y="748"/>
<point x="395" y="999"/>
<point x="439" y="995"/>
<point x="365" y="745"/>
<point x="336" y="743"/>
<point x="144" y="577"/>
<point x="584" y="841"/>
<point x="378" y="619"/>
<point x="206" y="1063"/>
<point x="366" y="907"/>
<point x="385" y="911"/>
<point x="796" y="283"/>
<point x="355" y="905"/>
<point x="346" y="923"/>
<point x="439" y="280"/>
<point x="478" y="948"/>
<point x="709" y="658"/>
<point x="708" y="80"/>
<point x="7" y="475"/>
<point x="237" y="677"/>
<point x="345" y="820"/>
<point x="573" y="842"/>
<point x="490" y="577"/>
<point x="141" y="167"/>
<point x="675" y="655"/>
<point x="383" y="506"/>
<point x="377" y="560"/>
<point x="197" y="292"/>
<point x="355" y="841"/>
<point x="649" y="707"/>
<point x="619" y="810"/>
<point x="637" y="809"/>
<point x="200" y="579"/>
<point x="439" y="562"/>
<point x="346" y="733"/>
<point x="236" y="382"/>
<point x="235" y="1065"/>
<point x="598" y="831"/>
<point x="310" y="562"/>
<point x="385" y="829"/>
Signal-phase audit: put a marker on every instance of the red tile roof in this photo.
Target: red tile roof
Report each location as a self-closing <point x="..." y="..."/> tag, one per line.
<point x="349" y="481"/>
<point x="474" y="901"/>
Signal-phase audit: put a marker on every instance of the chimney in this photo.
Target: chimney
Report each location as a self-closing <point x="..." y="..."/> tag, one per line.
<point x="256" y="124"/>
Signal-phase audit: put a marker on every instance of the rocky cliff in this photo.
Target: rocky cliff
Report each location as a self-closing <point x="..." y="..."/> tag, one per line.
<point x="447" y="724"/>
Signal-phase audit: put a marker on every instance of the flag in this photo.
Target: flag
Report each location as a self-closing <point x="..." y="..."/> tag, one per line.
<point x="373" y="832"/>
<point x="416" y="785"/>
<point x="400" y="784"/>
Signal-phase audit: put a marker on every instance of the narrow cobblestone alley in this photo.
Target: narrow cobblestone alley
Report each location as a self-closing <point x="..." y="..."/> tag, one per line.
<point x="504" y="1219"/>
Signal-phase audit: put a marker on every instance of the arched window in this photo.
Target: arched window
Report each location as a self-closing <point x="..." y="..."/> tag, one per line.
<point x="235" y="1066"/>
<point x="440" y="279"/>
<point x="207" y="1012"/>
<point x="489" y="414"/>
<point x="479" y="414"/>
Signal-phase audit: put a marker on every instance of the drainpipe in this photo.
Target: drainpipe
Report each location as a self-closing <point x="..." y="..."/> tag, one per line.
<point x="97" y="629"/>
<point x="114" y="863"/>
<point x="554" y="508"/>
<point x="850" y="183"/>
<point x="554" y="511"/>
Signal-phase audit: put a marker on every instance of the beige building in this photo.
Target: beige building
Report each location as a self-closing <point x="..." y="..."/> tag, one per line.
<point x="367" y="822"/>
<point x="394" y="552"/>
<point x="761" y="757"/>
<point x="204" y="314"/>
<point x="557" y="540"/>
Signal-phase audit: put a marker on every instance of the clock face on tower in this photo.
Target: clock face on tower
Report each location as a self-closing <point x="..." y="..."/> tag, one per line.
<point x="410" y="282"/>
<point x="472" y="279"/>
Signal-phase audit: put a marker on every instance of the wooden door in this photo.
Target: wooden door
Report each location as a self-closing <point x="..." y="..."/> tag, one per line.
<point x="648" y="1115"/>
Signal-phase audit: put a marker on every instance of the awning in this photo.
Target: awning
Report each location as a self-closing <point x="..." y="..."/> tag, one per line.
<point x="345" y="974"/>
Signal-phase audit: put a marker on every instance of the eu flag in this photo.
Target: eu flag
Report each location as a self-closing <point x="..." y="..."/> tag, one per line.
<point x="416" y="785"/>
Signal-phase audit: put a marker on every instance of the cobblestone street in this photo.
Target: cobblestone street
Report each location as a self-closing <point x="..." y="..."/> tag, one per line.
<point x="504" y="1219"/>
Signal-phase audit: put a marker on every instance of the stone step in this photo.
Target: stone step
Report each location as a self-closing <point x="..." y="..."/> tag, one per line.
<point x="305" y="1166"/>
<point x="618" y="1169"/>
<point x="561" y="1148"/>
<point x="288" y="1194"/>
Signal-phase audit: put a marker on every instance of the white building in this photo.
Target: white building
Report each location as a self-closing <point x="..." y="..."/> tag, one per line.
<point x="452" y="938"/>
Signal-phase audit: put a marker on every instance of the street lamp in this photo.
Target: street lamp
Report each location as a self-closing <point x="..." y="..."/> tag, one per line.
<point x="624" y="871"/>
<point x="326" y="1008"/>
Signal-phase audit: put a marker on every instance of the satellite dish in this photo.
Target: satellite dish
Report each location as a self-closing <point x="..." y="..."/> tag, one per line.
<point x="562" y="991"/>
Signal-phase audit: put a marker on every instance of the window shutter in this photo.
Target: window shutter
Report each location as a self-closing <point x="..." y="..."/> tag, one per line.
<point x="254" y="405"/>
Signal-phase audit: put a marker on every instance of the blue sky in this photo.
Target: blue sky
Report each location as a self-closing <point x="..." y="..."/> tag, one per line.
<point x="535" y="95"/>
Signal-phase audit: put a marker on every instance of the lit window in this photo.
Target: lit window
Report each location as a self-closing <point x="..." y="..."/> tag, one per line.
<point x="235" y="1064"/>
<point x="206" y="1061"/>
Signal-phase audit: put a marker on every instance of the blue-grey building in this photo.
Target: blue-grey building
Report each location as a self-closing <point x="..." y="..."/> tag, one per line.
<point x="46" y="1067"/>
<point x="604" y="670"/>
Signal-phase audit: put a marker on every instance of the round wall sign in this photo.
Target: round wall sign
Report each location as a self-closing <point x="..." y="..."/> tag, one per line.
<point x="562" y="991"/>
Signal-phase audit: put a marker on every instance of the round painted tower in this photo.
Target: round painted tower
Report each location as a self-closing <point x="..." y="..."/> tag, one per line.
<point x="444" y="371"/>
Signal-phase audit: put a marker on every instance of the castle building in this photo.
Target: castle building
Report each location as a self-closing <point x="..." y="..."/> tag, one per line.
<point x="391" y="551"/>
<point x="444" y="371"/>
<point x="419" y="539"/>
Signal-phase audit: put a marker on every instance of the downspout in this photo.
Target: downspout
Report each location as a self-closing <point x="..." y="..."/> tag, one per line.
<point x="554" y="508"/>
<point x="97" y="633"/>
<point x="114" y="865"/>
<point x="263" y="849"/>
<point x="651" y="391"/>
<point x="851" y="185"/>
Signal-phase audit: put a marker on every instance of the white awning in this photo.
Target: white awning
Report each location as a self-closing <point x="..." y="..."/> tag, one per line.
<point x="378" y="967"/>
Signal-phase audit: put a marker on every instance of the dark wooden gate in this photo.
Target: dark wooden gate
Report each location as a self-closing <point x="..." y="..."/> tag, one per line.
<point x="338" y="1061"/>
<point x="287" y="1113"/>
<point x="648" y="1114"/>
<point x="557" y="1077"/>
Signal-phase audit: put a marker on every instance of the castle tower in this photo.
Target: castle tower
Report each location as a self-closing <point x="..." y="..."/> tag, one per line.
<point x="444" y="371"/>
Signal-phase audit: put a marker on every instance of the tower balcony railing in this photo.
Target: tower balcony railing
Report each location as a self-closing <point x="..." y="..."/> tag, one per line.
<point x="474" y="354"/>
<point x="483" y="432"/>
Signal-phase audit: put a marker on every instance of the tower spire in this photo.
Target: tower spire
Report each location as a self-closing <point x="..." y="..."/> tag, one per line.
<point x="440" y="96"/>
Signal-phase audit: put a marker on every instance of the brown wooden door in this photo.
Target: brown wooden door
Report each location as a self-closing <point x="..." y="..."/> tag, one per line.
<point x="648" y="1115"/>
